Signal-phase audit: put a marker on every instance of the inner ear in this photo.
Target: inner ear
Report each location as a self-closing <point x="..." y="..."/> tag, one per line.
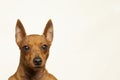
<point x="20" y="32"/>
<point x="48" y="31"/>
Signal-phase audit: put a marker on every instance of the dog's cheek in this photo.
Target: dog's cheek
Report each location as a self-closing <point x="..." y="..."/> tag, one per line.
<point x="45" y="56"/>
<point x="27" y="58"/>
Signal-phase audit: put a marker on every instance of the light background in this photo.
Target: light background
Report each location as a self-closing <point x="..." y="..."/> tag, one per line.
<point x="86" y="42"/>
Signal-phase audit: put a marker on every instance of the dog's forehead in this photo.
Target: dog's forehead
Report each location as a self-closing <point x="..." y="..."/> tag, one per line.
<point x="35" y="39"/>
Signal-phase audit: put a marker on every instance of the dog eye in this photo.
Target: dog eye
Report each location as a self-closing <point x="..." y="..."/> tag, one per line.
<point x="26" y="48"/>
<point x="44" y="47"/>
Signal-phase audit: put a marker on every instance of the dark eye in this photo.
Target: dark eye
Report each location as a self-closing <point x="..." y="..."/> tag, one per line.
<point x="44" y="47"/>
<point x="26" y="48"/>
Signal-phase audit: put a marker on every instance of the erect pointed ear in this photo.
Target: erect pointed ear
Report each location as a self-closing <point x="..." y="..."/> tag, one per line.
<point x="19" y="32"/>
<point x="48" y="31"/>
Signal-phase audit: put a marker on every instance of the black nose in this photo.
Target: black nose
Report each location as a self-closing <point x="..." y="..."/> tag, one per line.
<point x="37" y="61"/>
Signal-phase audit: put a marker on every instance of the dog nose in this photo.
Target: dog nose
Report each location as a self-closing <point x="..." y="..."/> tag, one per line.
<point x="37" y="61"/>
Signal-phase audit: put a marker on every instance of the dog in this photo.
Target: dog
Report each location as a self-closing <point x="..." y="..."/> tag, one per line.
<point x="34" y="51"/>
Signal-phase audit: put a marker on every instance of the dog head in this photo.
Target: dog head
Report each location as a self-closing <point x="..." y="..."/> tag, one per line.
<point x="34" y="48"/>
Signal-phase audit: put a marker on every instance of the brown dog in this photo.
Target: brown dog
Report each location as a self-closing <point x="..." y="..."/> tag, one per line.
<point x="34" y="53"/>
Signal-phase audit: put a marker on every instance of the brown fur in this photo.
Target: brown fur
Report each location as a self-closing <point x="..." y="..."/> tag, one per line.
<point x="27" y="70"/>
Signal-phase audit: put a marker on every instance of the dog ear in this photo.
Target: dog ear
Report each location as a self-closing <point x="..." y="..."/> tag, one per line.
<point x="48" y="31"/>
<point x="20" y="32"/>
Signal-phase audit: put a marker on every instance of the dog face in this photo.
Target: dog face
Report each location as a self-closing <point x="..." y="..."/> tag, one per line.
<point x="34" y="48"/>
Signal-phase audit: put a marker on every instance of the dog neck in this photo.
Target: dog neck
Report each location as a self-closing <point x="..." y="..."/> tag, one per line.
<point x="27" y="73"/>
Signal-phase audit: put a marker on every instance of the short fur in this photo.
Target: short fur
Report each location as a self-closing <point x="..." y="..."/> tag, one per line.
<point x="32" y="46"/>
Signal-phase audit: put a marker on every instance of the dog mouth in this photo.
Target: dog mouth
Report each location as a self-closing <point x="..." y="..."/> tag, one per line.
<point x="37" y="66"/>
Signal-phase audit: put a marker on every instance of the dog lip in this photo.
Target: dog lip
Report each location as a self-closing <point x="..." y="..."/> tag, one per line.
<point x="37" y="67"/>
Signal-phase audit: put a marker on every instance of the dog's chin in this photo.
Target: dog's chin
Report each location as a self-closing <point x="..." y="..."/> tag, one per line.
<point x="37" y="66"/>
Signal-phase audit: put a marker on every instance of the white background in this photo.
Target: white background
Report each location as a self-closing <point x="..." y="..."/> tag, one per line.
<point x="86" y="42"/>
